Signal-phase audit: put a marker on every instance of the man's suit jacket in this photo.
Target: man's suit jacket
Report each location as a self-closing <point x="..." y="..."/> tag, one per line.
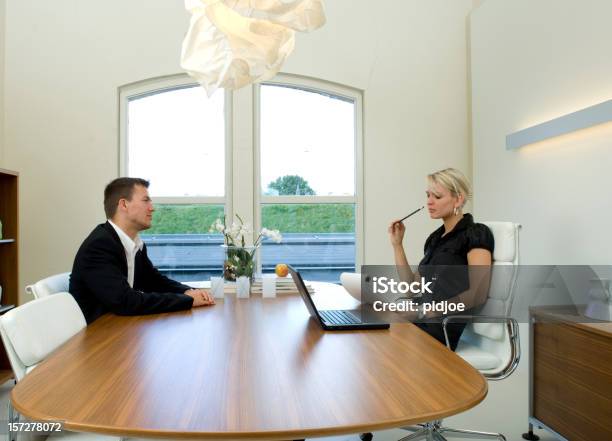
<point x="99" y="281"/>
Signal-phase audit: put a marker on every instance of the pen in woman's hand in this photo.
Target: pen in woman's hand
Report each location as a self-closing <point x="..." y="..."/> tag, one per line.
<point x="407" y="216"/>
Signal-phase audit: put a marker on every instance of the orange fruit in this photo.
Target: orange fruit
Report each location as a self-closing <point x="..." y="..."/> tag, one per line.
<point x="281" y="270"/>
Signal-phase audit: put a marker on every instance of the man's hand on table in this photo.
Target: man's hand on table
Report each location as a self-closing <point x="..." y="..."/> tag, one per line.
<point x="201" y="297"/>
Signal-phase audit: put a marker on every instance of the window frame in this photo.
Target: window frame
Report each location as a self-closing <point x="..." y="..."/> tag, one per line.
<point x="242" y="148"/>
<point x="326" y="88"/>
<point x="154" y="86"/>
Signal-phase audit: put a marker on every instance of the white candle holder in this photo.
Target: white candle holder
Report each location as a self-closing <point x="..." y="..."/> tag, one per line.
<point x="269" y="286"/>
<point x="243" y="287"/>
<point x="216" y="287"/>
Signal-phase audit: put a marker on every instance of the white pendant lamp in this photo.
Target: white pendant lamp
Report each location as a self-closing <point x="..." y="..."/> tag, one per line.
<point x="232" y="43"/>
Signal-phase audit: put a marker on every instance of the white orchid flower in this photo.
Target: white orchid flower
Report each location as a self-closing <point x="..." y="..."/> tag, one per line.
<point x="245" y="230"/>
<point x="213" y="226"/>
<point x="272" y="234"/>
<point x="235" y="231"/>
<point x="276" y="236"/>
<point x="218" y="226"/>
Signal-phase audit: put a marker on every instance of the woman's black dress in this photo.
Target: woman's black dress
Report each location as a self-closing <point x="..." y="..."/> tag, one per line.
<point x="445" y="262"/>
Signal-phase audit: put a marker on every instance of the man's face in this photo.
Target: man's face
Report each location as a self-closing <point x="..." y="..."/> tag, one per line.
<point x="140" y="209"/>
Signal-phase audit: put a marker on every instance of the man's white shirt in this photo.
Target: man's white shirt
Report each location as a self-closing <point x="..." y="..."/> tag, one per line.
<point x="131" y="247"/>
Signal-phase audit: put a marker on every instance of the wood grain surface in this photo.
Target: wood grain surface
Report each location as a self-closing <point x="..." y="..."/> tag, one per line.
<point x="246" y="369"/>
<point x="572" y="385"/>
<point x="9" y="252"/>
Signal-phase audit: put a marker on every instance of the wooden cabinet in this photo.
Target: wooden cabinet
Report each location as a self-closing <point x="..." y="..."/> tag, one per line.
<point x="9" y="251"/>
<point x="571" y="370"/>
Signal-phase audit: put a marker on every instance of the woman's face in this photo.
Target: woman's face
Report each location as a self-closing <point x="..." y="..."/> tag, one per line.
<point x="440" y="202"/>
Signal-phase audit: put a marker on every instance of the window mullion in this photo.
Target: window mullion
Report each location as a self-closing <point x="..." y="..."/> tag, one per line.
<point x="242" y="156"/>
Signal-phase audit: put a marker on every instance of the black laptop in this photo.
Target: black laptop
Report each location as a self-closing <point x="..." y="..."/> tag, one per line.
<point x="332" y="320"/>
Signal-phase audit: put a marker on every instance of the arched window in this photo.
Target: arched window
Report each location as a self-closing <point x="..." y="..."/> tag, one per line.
<point x="309" y="187"/>
<point x="283" y="154"/>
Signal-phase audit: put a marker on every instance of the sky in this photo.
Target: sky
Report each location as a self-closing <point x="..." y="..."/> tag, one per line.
<point x="176" y="138"/>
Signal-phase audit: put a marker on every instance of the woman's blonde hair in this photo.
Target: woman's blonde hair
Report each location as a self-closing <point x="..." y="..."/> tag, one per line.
<point x="454" y="181"/>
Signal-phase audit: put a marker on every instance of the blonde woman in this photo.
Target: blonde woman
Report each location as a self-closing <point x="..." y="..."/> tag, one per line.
<point x="459" y="241"/>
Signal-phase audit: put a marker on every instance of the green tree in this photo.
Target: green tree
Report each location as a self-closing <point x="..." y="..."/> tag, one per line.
<point x="291" y="185"/>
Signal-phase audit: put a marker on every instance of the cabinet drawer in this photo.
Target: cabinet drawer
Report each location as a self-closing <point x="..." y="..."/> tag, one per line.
<point x="571" y="346"/>
<point x="572" y="389"/>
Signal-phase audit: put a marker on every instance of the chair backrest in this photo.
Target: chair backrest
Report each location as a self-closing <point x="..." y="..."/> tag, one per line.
<point x="503" y="277"/>
<point x="33" y="330"/>
<point x="352" y="283"/>
<point x="497" y="337"/>
<point x="49" y="285"/>
<point x="506" y="235"/>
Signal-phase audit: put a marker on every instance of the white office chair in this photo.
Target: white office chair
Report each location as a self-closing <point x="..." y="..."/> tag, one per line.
<point x="32" y="331"/>
<point x="49" y="285"/>
<point x="490" y="340"/>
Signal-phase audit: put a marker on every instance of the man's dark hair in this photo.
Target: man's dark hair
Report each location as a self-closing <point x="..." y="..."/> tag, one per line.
<point x="120" y="188"/>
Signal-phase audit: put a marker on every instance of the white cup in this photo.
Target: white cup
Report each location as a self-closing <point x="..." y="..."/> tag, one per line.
<point x="243" y="287"/>
<point x="269" y="286"/>
<point x="216" y="287"/>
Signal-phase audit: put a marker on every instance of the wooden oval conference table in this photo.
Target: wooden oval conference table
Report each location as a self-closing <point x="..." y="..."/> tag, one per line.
<point x="256" y="368"/>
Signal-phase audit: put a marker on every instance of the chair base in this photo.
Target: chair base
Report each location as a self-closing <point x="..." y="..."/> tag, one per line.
<point x="530" y="435"/>
<point x="434" y="431"/>
<point x="13" y="417"/>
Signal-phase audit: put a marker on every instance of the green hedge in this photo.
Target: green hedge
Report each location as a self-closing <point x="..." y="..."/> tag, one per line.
<point x="288" y="218"/>
<point x="306" y="218"/>
<point x="185" y="219"/>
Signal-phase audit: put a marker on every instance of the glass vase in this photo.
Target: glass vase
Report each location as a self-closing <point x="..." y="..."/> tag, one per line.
<point x="239" y="261"/>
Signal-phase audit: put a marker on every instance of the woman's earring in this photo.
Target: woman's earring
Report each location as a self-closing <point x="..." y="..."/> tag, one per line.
<point x="455" y="211"/>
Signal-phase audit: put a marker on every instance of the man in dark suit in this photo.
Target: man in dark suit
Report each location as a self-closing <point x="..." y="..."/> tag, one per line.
<point x="112" y="272"/>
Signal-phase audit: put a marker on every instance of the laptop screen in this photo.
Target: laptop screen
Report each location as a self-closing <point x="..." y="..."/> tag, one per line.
<point x="301" y="286"/>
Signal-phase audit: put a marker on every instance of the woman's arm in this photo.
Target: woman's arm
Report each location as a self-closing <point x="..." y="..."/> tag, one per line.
<point x="396" y="236"/>
<point x="479" y="256"/>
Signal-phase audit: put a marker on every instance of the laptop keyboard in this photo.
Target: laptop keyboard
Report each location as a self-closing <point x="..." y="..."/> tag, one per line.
<point x="338" y="317"/>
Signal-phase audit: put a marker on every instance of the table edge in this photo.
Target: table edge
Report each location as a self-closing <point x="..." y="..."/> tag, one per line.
<point x="267" y="435"/>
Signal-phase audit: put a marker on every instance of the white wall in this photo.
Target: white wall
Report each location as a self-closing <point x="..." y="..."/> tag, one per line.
<point x="2" y="46"/>
<point x="530" y="62"/>
<point x="533" y="61"/>
<point x="66" y="60"/>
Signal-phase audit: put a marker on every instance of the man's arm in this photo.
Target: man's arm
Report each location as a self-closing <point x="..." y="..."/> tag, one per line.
<point x="154" y="280"/>
<point x="100" y="269"/>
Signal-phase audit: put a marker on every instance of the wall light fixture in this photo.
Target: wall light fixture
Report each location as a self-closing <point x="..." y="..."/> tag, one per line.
<point x="581" y="119"/>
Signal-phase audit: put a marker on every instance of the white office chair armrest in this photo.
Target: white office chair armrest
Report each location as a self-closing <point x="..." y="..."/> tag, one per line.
<point x="513" y="333"/>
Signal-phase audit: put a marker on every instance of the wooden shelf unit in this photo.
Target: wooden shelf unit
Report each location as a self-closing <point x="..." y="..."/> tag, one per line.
<point x="9" y="251"/>
<point x="570" y="376"/>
